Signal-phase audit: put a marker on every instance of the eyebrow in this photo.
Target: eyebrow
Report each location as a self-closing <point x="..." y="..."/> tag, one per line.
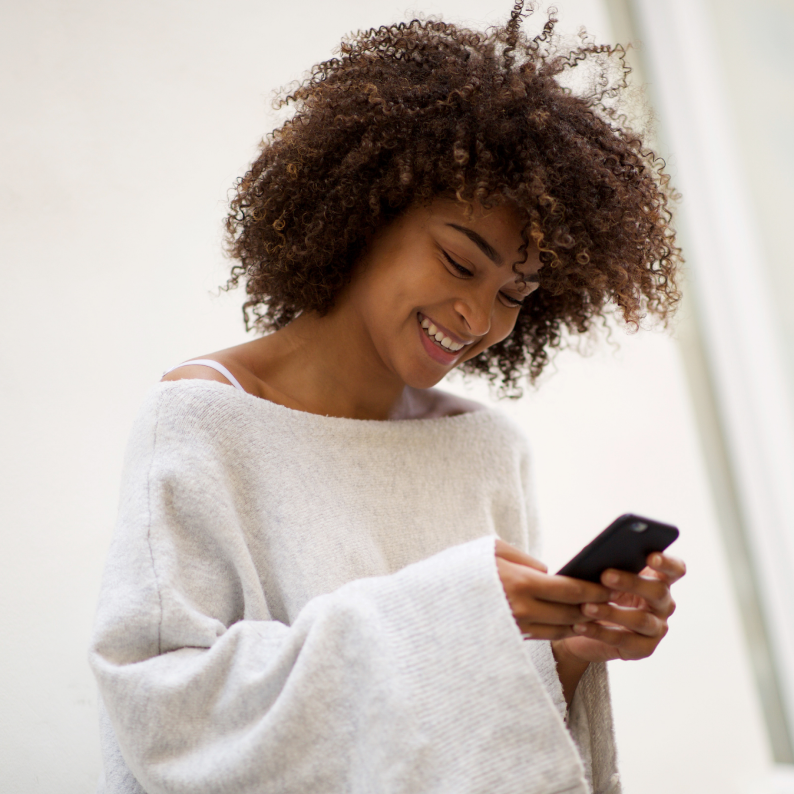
<point x="480" y="242"/>
<point x="489" y="250"/>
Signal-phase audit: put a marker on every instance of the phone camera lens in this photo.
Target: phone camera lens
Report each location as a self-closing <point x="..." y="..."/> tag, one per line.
<point x="638" y="526"/>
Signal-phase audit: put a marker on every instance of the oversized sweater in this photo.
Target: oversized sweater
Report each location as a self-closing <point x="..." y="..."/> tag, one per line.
<point x="296" y="603"/>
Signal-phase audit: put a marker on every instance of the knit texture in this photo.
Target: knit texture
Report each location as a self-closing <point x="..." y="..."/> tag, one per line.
<point x="299" y="603"/>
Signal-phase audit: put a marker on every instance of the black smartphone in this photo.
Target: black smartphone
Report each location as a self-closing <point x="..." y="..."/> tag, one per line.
<point x="625" y="544"/>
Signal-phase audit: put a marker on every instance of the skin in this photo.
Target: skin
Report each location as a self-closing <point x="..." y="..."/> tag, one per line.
<point x="369" y="358"/>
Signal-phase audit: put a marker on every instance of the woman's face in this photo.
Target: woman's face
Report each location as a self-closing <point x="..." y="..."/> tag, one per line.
<point x="436" y="288"/>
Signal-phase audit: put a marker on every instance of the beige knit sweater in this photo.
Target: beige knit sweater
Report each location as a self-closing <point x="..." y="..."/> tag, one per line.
<point x="299" y="603"/>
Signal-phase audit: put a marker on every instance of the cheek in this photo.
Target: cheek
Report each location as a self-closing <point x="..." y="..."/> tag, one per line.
<point x="383" y="294"/>
<point x="502" y="326"/>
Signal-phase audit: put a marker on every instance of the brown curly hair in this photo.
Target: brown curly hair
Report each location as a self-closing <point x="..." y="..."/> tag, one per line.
<point x="419" y="109"/>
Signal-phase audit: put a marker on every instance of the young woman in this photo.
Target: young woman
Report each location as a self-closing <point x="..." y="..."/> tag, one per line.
<point x="320" y="578"/>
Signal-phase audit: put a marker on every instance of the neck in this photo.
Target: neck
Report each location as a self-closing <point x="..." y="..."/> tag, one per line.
<point x="329" y="366"/>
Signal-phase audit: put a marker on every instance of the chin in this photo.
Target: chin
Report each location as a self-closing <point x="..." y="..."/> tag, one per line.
<point x="425" y="379"/>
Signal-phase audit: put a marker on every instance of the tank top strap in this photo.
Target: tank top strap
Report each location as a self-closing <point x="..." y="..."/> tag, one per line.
<point x="208" y="362"/>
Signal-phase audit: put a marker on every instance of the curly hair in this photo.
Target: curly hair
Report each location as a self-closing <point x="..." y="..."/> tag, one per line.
<point x="415" y="110"/>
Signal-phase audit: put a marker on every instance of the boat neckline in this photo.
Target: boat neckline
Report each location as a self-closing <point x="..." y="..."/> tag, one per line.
<point x="211" y="385"/>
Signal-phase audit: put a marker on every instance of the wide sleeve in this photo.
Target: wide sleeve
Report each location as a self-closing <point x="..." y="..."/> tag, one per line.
<point x="414" y="681"/>
<point x="590" y="716"/>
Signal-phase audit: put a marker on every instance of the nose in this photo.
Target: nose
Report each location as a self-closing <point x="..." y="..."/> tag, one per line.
<point x="475" y="311"/>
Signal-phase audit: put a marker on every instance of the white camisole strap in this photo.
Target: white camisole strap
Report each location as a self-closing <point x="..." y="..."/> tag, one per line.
<point x="208" y="362"/>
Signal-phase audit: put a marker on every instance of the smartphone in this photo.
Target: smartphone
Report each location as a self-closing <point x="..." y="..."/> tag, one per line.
<point x="625" y="544"/>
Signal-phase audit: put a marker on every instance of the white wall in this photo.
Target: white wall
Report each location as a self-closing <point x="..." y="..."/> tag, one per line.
<point x="123" y="126"/>
<point x="754" y="45"/>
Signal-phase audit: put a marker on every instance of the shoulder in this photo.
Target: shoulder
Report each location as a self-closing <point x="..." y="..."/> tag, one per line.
<point x="192" y="371"/>
<point x="225" y="366"/>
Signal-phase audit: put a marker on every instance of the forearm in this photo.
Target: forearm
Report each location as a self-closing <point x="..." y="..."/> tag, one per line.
<point x="569" y="669"/>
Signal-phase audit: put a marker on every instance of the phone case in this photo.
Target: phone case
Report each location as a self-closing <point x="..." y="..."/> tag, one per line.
<point x="625" y="544"/>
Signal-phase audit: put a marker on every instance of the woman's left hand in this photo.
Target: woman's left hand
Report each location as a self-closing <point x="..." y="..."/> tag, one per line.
<point x="634" y="621"/>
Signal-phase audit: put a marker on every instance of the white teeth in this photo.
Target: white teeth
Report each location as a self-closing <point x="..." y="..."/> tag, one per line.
<point x="439" y="336"/>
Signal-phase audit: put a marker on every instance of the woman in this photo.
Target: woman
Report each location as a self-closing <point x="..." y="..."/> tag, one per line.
<point x="319" y="579"/>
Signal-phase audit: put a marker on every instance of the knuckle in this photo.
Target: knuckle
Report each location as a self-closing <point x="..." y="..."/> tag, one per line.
<point x="520" y="582"/>
<point x="647" y="624"/>
<point x="520" y="578"/>
<point x="621" y="638"/>
<point x="672" y="607"/>
<point x="615" y="639"/>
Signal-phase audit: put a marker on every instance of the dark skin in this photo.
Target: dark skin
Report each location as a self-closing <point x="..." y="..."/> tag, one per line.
<point x="439" y="271"/>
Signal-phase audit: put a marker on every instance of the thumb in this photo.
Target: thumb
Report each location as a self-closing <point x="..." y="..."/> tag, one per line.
<point x="510" y="553"/>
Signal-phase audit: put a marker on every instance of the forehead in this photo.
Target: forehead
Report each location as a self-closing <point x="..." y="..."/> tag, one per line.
<point x="502" y="220"/>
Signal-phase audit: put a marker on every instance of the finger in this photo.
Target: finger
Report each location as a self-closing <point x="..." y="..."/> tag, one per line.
<point x="636" y="620"/>
<point x="629" y="645"/>
<point x="567" y="590"/>
<point x="520" y="581"/>
<point x="548" y="613"/>
<point x="655" y="592"/>
<point x="512" y="554"/>
<point x="673" y="568"/>
<point x="542" y="631"/>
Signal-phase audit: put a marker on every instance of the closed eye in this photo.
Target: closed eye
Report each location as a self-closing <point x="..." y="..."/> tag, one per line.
<point x="459" y="268"/>
<point x="511" y="301"/>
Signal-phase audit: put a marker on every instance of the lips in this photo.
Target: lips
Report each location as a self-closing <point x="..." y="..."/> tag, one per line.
<point x="446" y="349"/>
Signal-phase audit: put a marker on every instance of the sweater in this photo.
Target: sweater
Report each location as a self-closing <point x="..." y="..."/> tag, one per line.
<point x="302" y="603"/>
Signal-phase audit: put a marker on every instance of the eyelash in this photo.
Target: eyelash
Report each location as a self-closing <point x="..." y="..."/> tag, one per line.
<point x="515" y="303"/>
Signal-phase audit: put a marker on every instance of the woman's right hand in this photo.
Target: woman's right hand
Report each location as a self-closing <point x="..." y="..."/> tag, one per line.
<point x="544" y="606"/>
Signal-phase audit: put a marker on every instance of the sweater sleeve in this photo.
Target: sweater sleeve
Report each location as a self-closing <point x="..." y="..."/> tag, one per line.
<point x="590" y="716"/>
<point x="414" y="681"/>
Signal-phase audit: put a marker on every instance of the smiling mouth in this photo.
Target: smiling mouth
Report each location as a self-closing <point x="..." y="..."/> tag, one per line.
<point x="438" y="337"/>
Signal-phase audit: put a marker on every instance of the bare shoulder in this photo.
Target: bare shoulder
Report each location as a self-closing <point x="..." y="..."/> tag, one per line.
<point x="439" y="403"/>
<point x="195" y="372"/>
<point x="217" y="367"/>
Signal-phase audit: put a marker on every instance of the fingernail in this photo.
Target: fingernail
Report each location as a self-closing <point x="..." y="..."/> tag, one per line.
<point x="656" y="559"/>
<point x="611" y="578"/>
<point x="579" y="628"/>
<point x="590" y="609"/>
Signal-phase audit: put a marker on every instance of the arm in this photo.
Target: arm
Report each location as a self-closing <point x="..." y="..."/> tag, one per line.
<point x="570" y="669"/>
<point x="414" y="677"/>
<point x="420" y="676"/>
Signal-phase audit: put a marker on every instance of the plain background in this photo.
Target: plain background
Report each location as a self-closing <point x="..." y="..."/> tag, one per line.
<point x="124" y="125"/>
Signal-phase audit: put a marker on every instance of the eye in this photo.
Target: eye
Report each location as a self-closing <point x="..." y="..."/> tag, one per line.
<point x="462" y="271"/>
<point x="513" y="303"/>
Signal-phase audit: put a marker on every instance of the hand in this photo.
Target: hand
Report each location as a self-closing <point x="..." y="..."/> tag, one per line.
<point x="545" y="607"/>
<point x="634" y="621"/>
